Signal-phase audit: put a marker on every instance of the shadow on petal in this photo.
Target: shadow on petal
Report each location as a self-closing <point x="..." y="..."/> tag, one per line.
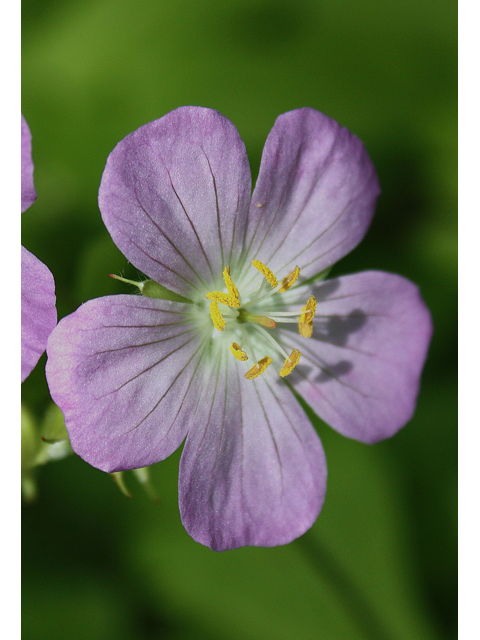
<point x="337" y="329"/>
<point x="334" y="371"/>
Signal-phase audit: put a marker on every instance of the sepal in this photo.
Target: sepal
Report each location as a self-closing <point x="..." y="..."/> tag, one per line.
<point x="153" y="289"/>
<point x="142" y="475"/>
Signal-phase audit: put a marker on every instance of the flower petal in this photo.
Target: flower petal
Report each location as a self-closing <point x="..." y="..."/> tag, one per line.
<point x="361" y="369"/>
<point x="39" y="314"/>
<point x="29" y="194"/>
<point x="121" y="369"/>
<point x="174" y="196"/>
<point x="314" y="197"/>
<point x="253" y="470"/>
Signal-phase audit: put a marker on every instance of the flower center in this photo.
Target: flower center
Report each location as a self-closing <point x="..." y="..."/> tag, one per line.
<point x="228" y="312"/>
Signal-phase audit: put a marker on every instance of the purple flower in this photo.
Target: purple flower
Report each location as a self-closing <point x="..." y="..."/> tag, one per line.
<point x="39" y="314"/>
<point x="214" y="352"/>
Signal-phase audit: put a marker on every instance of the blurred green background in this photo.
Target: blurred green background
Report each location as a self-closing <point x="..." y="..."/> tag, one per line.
<point x="380" y="562"/>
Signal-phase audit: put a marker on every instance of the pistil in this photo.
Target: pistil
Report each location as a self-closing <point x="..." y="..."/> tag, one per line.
<point x="264" y="321"/>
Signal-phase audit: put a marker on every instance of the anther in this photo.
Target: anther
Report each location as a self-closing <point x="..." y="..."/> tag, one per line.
<point x="258" y="368"/>
<point x="290" y="363"/>
<point x="232" y="298"/>
<point x="305" y="324"/>
<point x="223" y="298"/>
<point x="231" y="288"/>
<point x="217" y="318"/>
<point x="266" y="272"/>
<point x="237" y="352"/>
<point x="290" y="280"/>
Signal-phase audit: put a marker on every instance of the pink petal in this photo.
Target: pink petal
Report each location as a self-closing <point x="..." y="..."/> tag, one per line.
<point x="315" y="194"/>
<point x="253" y="470"/>
<point x="29" y="194"/>
<point x="39" y="314"/>
<point x="174" y="196"/>
<point x="360" y="371"/>
<point x="122" y="370"/>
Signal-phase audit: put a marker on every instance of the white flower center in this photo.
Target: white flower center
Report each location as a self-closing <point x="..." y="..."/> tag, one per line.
<point x="242" y="320"/>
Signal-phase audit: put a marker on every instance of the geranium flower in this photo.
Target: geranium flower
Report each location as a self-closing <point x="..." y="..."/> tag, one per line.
<point x="39" y="314"/>
<point x="232" y="322"/>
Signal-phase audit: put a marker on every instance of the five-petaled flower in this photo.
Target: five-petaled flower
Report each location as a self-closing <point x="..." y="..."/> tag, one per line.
<point x="233" y="320"/>
<point x="39" y="314"/>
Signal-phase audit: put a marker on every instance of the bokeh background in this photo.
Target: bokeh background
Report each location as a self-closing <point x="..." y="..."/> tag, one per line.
<point x="380" y="562"/>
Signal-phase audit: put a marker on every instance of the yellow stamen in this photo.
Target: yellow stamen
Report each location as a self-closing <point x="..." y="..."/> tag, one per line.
<point x="305" y="324"/>
<point x="245" y="316"/>
<point x="237" y="352"/>
<point x="223" y="298"/>
<point x="232" y="298"/>
<point x="258" y="368"/>
<point x="290" y="363"/>
<point x="231" y="288"/>
<point x="217" y="318"/>
<point x="264" y="321"/>
<point x="290" y="280"/>
<point x="266" y="272"/>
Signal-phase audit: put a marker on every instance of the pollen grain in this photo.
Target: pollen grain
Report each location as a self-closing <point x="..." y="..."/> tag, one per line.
<point x="258" y="368"/>
<point x="266" y="272"/>
<point x="237" y="352"/>
<point x="217" y="318"/>
<point x="290" y="363"/>
<point x="305" y="324"/>
<point x="223" y="298"/>
<point x="231" y="288"/>
<point x="290" y="280"/>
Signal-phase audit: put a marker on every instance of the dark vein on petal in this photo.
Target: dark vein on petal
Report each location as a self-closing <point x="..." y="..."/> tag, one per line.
<point x="242" y="439"/>
<point x="259" y="221"/>
<point x="293" y="168"/>
<point x="207" y="424"/>
<point x="188" y="388"/>
<point x="171" y="243"/>
<point x="261" y="214"/>
<point x="271" y="434"/>
<point x="166" y="267"/>
<point x="217" y="207"/>
<point x="243" y="254"/>
<point x="298" y="216"/>
<point x="346" y="347"/>
<point x="187" y="364"/>
<point x="130" y="326"/>
<point x="272" y="391"/>
<point x="314" y="240"/>
<point x="348" y="315"/>
<point x="145" y="370"/>
<point x="315" y="360"/>
<point x="302" y="443"/>
<point x="321" y="255"/>
<point x="134" y="326"/>
<point x="291" y="343"/>
<point x="143" y="344"/>
<point x="222" y="434"/>
<point x="134" y="305"/>
<point x="234" y="228"/>
<point x="350" y="295"/>
<point x="325" y="166"/>
<point x="191" y="223"/>
<point x="300" y="373"/>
